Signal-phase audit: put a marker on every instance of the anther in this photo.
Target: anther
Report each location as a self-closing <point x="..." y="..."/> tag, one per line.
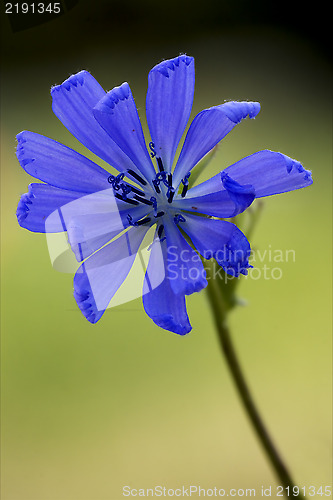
<point x="185" y="188"/>
<point x="160" y="230"/>
<point x="152" y="149"/>
<point x="170" y="179"/>
<point x="137" y="191"/>
<point x="155" y="184"/>
<point x="127" y="200"/>
<point x="179" y="218"/>
<point x="170" y="194"/>
<point x="185" y="184"/>
<point x="154" y="203"/>
<point x="161" y="177"/>
<point x="116" y="181"/>
<point x="139" y="222"/>
<point x="137" y="177"/>
<point x="143" y="221"/>
<point x="130" y="220"/>
<point x="126" y="189"/>
<point x="159" y="163"/>
<point x="142" y="200"/>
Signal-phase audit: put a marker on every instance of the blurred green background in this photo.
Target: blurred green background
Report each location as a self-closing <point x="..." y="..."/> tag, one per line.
<point x="89" y="409"/>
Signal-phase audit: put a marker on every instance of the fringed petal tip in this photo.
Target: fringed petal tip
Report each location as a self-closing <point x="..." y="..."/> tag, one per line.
<point x="294" y="166"/>
<point x="236" y="111"/>
<point x="22" y="210"/>
<point x="165" y="67"/>
<point x="168" y="322"/>
<point x="109" y="101"/>
<point x="21" y="138"/>
<point x="85" y="299"/>
<point x="72" y="81"/>
<point x="20" y="149"/>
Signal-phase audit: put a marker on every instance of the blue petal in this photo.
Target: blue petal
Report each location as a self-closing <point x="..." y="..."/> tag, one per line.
<point x="42" y="200"/>
<point x="221" y="240"/>
<point x="73" y="102"/>
<point x="207" y="129"/>
<point x="185" y="269"/>
<point x="99" y="277"/>
<point x="270" y="173"/>
<point x="59" y="165"/>
<point x="88" y="232"/>
<point x="163" y="306"/>
<point x="228" y="200"/>
<point x="117" y="114"/>
<point x="168" y="105"/>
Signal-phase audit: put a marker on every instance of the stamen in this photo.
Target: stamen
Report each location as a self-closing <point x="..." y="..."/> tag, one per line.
<point x="143" y="221"/>
<point x="185" y="188"/>
<point x="115" y="181"/>
<point x="160" y="164"/>
<point x="185" y="183"/>
<point x="137" y="177"/>
<point x="137" y="191"/>
<point x="160" y="177"/>
<point x="155" y="184"/>
<point x="142" y="200"/>
<point x="130" y="220"/>
<point x="170" y="179"/>
<point x="126" y="189"/>
<point x="152" y="149"/>
<point x="179" y="218"/>
<point x="154" y="203"/>
<point x="160" y="231"/>
<point x="139" y="222"/>
<point x="170" y="194"/>
<point x="127" y="200"/>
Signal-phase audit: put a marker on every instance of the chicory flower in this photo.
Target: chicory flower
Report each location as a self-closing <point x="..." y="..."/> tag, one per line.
<point x="151" y="189"/>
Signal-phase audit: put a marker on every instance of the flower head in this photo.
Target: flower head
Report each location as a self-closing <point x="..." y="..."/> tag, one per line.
<point x="151" y="189"/>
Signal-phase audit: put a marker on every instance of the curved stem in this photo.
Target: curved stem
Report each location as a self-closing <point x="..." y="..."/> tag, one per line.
<point x="228" y="350"/>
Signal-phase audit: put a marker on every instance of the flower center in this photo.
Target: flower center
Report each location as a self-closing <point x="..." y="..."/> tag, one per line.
<point x="159" y="205"/>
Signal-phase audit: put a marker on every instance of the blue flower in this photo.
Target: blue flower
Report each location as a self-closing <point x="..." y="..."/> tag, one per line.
<point x="152" y="188"/>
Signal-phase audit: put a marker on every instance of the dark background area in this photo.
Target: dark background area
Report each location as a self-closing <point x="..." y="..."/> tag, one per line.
<point x="150" y="22"/>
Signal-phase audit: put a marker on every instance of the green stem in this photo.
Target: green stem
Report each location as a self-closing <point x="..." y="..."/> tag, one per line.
<point x="281" y="471"/>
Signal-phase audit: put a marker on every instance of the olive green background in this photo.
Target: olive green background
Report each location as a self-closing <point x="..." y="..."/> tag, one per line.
<point x="88" y="409"/>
